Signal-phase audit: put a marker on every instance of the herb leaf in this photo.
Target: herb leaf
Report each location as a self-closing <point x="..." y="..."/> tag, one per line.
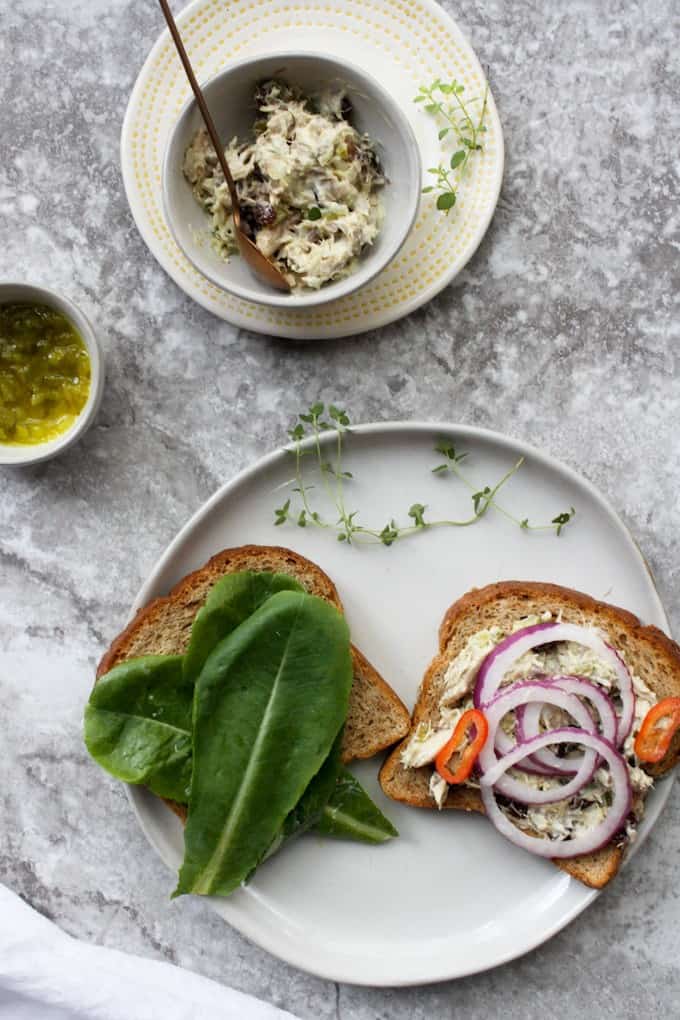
<point x="416" y="512"/>
<point x="563" y="519"/>
<point x="480" y="500"/>
<point x="444" y="100"/>
<point x="281" y="513"/>
<point x="389" y="533"/>
<point x="446" y="201"/>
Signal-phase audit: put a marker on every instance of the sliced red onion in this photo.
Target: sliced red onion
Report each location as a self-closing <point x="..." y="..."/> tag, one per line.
<point x="503" y="656"/>
<point x="528" y="764"/>
<point x="521" y="716"/>
<point x="541" y="692"/>
<point x="600" y="835"/>
<point x="501" y="659"/>
<point x="529" y="724"/>
<point x="504" y="743"/>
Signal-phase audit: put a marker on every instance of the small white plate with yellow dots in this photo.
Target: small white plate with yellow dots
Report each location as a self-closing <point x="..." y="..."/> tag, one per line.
<point x="405" y="44"/>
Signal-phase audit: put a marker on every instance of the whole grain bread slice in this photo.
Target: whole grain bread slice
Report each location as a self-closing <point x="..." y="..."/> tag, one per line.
<point x="650" y="654"/>
<point x="376" y="717"/>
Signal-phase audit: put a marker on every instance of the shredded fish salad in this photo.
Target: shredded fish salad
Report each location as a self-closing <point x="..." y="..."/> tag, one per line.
<point x="308" y="184"/>
<point x="560" y="819"/>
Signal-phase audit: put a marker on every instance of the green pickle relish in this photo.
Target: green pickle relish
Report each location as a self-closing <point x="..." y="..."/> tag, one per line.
<point x="44" y="374"/>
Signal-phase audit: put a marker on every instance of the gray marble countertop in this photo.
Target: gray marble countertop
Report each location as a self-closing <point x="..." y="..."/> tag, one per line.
<point x="563" y="330"/>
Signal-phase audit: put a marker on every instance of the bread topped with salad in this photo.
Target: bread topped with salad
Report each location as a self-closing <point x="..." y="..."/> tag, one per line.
<point x="238" y="698"/>
<point x="376" y="716"/>
<point x="550" y="712"/>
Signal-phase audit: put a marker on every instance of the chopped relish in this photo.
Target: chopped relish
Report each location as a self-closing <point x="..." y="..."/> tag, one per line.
<point x="44" y="374"/>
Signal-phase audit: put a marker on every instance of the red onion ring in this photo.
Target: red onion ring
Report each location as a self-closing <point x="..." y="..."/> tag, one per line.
<point x="522" y="693"/>
<point x="504" y="743"/>
<point x="510" y="649"/>
<point x="528" y="764"/>
<point x="600" y="835"/>
<point x="529" y="724"/>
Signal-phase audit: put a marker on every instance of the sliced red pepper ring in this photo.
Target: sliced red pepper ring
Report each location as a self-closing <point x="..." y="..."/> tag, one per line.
<point x="658" y="728"/>
<point x="468" y="740"/>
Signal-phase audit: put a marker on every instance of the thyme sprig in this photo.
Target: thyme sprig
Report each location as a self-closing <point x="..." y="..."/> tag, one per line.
<point x="305" y="436"/>
<point x="482" y="499"/>
<point x="444" y="100"/>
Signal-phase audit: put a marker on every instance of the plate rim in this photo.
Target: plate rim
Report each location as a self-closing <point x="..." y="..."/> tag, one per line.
<point x="343" y="972"/>
<point x="299" y="331"/>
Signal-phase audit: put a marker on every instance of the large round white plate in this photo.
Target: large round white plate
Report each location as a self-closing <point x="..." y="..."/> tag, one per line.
<point x="402" y="43"/>
<point x="450" y="896"/>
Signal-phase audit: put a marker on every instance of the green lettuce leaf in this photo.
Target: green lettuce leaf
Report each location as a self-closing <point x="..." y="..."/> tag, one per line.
<point x="309" y="809"/>
<point x="231" y="600"/>
<point x="138" y="724"/>
<point x="268" y="705"/>
<point x="351" y="814"/>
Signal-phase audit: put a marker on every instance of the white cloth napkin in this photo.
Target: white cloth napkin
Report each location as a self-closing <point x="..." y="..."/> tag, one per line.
<point x="47" y="975"/>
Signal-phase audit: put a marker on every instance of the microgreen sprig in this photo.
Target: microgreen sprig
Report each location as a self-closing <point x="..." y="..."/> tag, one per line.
<point x="305" y="436"/>
<point x="444" y="100"/>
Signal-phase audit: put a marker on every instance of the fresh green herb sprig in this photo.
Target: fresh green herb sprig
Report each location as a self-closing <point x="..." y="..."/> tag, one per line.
<point x="482" y="499"/>
<point x="444" y="100"/>
<point x="305" y="436"/>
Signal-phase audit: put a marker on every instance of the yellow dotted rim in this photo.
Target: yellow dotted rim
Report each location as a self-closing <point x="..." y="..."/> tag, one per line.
<point x="404" y="43"/>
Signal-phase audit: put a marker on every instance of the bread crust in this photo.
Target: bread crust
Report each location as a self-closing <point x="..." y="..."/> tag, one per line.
<point x="646" y="645"/>
<point x="227" y="561"/>
<point x="188" y="595"/>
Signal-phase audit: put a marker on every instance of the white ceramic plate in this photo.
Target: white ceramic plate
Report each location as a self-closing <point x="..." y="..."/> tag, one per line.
<point x="403" y="44"/>
<point x="450" y="896"/>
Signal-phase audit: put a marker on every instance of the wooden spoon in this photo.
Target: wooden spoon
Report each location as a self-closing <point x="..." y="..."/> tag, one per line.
<point x="258" y="262"/>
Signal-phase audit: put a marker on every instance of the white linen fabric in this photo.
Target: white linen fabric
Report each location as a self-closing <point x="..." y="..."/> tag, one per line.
<point x="46" y="974"/>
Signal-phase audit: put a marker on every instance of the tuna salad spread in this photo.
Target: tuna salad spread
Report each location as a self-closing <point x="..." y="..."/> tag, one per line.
<point x="308" y="183"/>
<point x="558" y="819"/>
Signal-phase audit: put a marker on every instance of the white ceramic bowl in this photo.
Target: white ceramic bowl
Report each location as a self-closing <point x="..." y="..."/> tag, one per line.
<point x="23" y="293"/>
<point x="230" y="99"/>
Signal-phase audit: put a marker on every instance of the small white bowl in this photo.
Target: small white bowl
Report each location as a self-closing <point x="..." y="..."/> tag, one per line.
<point x="230" y="99"/>
<point x="22" y="293"/>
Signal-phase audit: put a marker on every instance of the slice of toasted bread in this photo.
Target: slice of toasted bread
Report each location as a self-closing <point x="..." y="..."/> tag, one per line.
<point x="376" y="717"/>
<point x="650" y="654"/>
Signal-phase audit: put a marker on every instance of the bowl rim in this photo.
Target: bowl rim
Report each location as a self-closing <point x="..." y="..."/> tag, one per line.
<point x="350" y="284"/>
<point x="19" y="455"/>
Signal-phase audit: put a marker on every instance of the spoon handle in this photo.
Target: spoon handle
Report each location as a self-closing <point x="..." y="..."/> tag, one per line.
<point x="203" y="107"/>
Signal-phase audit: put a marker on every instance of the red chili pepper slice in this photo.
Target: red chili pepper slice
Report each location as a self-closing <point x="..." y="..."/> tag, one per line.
<point x="473" y="722"/>
<point x="658" y="728"/>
